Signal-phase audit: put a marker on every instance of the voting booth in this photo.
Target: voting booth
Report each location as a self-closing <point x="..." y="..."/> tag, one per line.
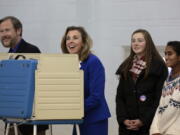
<point x="41" y="88"/>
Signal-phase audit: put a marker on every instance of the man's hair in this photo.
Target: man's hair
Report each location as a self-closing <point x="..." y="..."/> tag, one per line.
<point x="15" y="21"/>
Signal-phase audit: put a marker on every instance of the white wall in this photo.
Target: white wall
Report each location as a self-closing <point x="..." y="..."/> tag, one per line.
<point x="109" y="22"/>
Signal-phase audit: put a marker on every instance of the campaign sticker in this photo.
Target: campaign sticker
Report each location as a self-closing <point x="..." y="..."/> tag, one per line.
<point x="142" y="98"/>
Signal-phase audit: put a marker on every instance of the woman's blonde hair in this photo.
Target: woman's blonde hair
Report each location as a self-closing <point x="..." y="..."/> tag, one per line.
<point x="86" y="39"/>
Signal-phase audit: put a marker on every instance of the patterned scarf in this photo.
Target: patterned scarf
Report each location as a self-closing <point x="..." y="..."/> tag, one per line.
<point x="138" y="65"/>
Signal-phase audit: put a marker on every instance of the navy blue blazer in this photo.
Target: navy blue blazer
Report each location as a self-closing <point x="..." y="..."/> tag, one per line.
<point x="95" y="104"/>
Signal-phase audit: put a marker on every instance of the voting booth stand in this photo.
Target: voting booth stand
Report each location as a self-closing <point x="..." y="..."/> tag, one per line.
<point x="40" y="89"/>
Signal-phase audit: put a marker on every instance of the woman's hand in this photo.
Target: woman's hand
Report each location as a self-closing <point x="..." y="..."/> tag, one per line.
<point x="133" y="124"/>
<point x="137" y="123"/>
<point x="127" y="123"/>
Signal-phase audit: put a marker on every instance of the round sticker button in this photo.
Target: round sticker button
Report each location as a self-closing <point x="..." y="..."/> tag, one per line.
<point x="142" y="98"/>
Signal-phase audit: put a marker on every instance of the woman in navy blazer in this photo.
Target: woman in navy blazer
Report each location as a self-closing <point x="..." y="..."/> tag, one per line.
<point x="77" y="41"/>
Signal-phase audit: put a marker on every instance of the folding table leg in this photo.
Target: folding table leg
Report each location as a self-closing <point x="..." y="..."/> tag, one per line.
<point x="77" y="129"/>
<point x="7" y="129"/>
<point x="15" y="128"/>
<point x="50" y="129"/>
<point x="34" y="129"/>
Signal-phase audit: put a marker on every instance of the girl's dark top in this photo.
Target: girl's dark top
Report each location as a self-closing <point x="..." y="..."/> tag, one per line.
<point x="139" y="100"/>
